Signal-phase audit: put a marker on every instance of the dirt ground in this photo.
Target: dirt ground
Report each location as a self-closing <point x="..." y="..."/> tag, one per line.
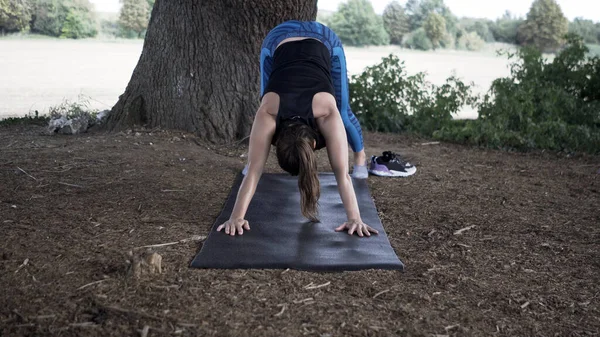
<point x="528" y="263"/>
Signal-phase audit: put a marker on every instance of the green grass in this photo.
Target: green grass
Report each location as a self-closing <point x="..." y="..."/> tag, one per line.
<point x="26" y="36"/>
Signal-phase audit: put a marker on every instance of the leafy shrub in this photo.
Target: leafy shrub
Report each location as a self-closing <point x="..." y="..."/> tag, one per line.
<point x="386" y="99"/>
<point x="417" y="40"/>
<point x="470" y="41"/>
<point x="15" y="15"/>
<point x="73" y="109"/>
<point x="547" y="105"/>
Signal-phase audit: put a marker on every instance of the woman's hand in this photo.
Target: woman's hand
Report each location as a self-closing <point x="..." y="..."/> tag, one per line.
<point x="357" y="226"/>
<point x="233" y="226"/>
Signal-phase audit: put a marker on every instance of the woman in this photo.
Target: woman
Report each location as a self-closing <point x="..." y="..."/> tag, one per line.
<point x="305" y="107"/>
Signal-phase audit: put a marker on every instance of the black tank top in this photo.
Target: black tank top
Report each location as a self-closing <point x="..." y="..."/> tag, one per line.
<point x="301" y="69"/>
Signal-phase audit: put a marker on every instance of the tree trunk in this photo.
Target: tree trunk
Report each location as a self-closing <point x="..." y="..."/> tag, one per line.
<point x="199" y="68"/>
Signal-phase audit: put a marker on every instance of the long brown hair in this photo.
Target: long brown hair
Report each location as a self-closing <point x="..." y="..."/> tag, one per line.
<point x="296" y="155"/>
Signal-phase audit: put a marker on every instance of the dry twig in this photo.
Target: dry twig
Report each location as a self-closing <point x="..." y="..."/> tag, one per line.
<point x="145" y="330"/>
<point x="29" y="175"/>
<point x="460" y="231"/>
<point x="26" y="262"/>
<point x="83" y="324"/>
<point x="91" y="284"/>
<point x="312" y="286"/>
<point x="283" y="307"/>
<point x="193" y="238"/>
<point x="381" y="293"/>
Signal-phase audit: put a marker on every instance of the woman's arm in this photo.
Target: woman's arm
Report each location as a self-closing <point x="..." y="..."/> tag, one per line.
<point x="332" y="128"/>
<point x="262" y="132"/>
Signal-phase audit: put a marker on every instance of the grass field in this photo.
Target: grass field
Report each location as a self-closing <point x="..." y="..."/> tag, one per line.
<point x="40" y="72"/>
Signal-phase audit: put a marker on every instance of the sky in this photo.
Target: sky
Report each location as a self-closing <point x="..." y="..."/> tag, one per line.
<point x="588" y="9"/>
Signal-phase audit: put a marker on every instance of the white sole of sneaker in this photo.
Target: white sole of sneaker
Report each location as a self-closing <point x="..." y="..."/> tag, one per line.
<point x="408" y="173"/>
<point x="393" y="173"/>
<point x="385" y="173"/>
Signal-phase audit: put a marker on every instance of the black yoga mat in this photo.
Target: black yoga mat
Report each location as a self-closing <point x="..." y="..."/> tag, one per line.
<point x="280" y="237"/>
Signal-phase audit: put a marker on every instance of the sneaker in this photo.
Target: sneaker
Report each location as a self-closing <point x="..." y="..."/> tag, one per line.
<point x="390" y="165"/>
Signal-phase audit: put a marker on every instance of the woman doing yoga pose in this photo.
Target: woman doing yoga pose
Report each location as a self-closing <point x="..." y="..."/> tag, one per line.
<point x="304" y="107"/>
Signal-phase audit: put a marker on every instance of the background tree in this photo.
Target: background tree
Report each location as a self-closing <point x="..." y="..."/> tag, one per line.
<point x="479" y="26"/>
<point x="545" y="26"/>
<point x="419" y="10"/>
<point x="417" y="40"/>
<point x="80" y="21"/>
<point x="356" y="24"/>
<point x="15" y="15"/>
<point x="64" y="18"/>
<point x="584" y="28"/>
<point x="470" y="41"/>
<point x="435" y="28"/>
<point x="395" y="22"/>
<point x="134" y="15"/>
<point x="199" y="69"/>
<point x="505" y="29"/>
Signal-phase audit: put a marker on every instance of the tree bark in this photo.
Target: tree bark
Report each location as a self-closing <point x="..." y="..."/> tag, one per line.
<point x="199" y="67"/>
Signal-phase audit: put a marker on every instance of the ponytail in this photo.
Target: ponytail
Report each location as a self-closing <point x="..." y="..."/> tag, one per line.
<point x="296" y="155"/>
<point x="308" y="180"/>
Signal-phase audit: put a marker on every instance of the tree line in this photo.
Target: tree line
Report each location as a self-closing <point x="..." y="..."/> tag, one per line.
<point x="74" y="19"/>
<point x="430" y="24"/>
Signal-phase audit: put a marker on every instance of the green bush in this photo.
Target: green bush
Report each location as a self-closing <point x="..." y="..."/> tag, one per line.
<point x="356" y="24"/>
<point x="386" y="99"/>
<point x="470" y="41"/>
<point x="15" y="15"/>
<point x="417" y="40"/>
<point x="542" y="105"/>
<point x="546" y="105"/>
<point x="64" y="18"/>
